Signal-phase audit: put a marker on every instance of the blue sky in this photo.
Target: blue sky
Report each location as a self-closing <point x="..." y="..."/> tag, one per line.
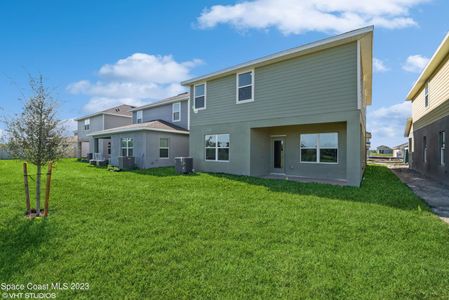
<point x="96" y="54"/>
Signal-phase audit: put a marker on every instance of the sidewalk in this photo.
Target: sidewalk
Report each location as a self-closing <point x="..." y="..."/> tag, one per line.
<point x="435" y="194"/>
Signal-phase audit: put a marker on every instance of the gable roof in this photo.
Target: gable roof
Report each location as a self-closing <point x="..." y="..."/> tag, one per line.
<point x="433" y="64"/>
<point x="155" y="125"/>
<point x="365" y="35"/>
<point x="180" y="97"/>
<point x="383" y="147"/>
<point x="119" y="111"/>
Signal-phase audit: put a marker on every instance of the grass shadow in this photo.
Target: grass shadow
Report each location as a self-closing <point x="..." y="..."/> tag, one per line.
<point x="380" y="186"/>
<point x="20" y="240"/>
<point x="160" y="172"/>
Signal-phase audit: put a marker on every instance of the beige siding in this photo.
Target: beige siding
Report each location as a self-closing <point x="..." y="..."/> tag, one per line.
<point x="438" y="94"/>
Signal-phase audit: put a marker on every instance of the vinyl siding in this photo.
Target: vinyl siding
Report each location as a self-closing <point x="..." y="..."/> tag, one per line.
<point x="164" y="112"/>
<point x="323" y="82"/>
<point x="96" y="124"/>
<point x="438" y="96"/>
<point x="116" y="121"/>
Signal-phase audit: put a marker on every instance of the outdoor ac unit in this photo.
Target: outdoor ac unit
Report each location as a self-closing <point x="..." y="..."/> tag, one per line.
<point x="126" y="162"/>
<point x="183" y="165"/>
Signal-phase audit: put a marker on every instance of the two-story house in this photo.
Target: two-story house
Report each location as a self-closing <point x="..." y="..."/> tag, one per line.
<point x="297" y="113"/>
<point x="428" y="127"/>
<point x="106" y="119"/>
<point x="158" y="134"/>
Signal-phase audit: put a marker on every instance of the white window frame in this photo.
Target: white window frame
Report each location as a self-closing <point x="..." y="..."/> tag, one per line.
<point x="216" y="147"/>
<point x="173" y="111"/>
<point x="139" y="116"/>
<point x="237" y="87"/>
<point x="168" y="148"/>
<point x="442" y="148"/>
<point x="426" y="96"/>
<point x="318" y="148"/>
<point x="87" y="123"/>
<point x="194" y="96"/>
<point x="127" y="147"/>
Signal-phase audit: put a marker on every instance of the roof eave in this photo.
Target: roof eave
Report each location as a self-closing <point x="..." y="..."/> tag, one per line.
<point x="294" y="52"/>
<point x="439" y="55"/>
<point x="151" y="105"/>
<point x="104" y="133"/>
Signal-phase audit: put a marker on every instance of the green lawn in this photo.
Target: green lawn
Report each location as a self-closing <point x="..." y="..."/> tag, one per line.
<point x="154" y="234"/>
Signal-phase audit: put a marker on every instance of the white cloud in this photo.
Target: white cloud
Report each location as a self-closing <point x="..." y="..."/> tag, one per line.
<point x="415" y="63"/>
<point x="379" y="66"/>
<point x="136" y="80"/>
<point x="298" y="16"/>
<point x="387" y="123"/>
<point x="69" y="126"/>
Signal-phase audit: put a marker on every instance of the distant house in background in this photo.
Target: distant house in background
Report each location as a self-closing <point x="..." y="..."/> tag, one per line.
<point x="384" y="150"/>
<point x="428" y="128"/>
<point x="4" y="154"/>
<point x="72" y="146"/>
<point x="106" y="119"/>
<point x="400" y="151"/>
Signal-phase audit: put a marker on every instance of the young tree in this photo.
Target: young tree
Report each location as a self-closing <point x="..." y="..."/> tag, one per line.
<point x="36" y="135"/>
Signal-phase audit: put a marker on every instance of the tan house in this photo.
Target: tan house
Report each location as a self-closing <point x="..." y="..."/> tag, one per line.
<point x="428" y="128"/>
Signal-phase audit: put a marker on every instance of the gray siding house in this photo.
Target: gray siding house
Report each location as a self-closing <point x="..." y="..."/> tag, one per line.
<point x="428" y="128"/>
<point x="297" y="113"/>
<point x="158" y="134"/>
<point x="107" y="119"/>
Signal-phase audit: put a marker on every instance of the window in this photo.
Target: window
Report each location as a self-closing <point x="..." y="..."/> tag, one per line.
<point x="442" y="147"/>
<point x="319" y="148"/>
<point x="163" y="148"/>
<point x="424" y="143"/>
<point x="426" y="95"/>
<point x="87" y="124"/>
<point x="139" y="116"/>
<point x="176" y="112"/>
<point x="217" y="147"/>
<point x="199" y="94"/>
<point x="245" y="87"/>
<point x="127" y="146"/>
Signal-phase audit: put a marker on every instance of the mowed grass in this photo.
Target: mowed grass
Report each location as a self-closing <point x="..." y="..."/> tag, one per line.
<point x="155" y="234"/>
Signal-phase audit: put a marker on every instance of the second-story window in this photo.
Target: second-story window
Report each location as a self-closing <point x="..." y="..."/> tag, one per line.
<point x="199" y="96"/>
<point x="426" y="95"/>
<point x="176" y="112"/>
<point x="139" y="116"/>
<point x="245" y="87"/>
<point x="87" y="124"/>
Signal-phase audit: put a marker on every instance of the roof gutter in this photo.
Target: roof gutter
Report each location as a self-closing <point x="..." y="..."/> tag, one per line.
<point x="105" y="133"/>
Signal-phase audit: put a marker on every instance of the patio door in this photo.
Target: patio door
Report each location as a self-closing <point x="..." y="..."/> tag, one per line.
<point x="277" y="155"/>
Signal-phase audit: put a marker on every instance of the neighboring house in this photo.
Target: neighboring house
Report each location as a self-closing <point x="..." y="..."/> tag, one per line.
<point x="4" y="154"/>
<point x="159" y="133"/>
<point x="300" y="112"/>
<point x="72" y="147"/>
<point x="382" y="149"/>
<point x="428" y="129"/>
<point x="400" y="151"/>
<point x="107" y="119"/>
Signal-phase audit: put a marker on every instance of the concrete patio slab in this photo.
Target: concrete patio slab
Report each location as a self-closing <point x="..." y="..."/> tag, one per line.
<point x="433" y="193"/>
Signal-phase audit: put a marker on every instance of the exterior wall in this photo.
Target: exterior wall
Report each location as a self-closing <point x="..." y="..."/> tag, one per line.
<point x="309" y="90"/>
<point x="261" y="150"/>
<point x="432" y="167"/>
<point x="438" y="95"/>
<point x="249" y="152"/>
<point x="164" y="112"/>
<point x="146" y="148"/>
<point x="116" y="121"/>
<point x="96" y="124"/>
<point x="323" y="82"/>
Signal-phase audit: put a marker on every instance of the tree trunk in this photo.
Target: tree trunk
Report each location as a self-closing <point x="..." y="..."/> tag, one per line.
<point x="38" y="190"/>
